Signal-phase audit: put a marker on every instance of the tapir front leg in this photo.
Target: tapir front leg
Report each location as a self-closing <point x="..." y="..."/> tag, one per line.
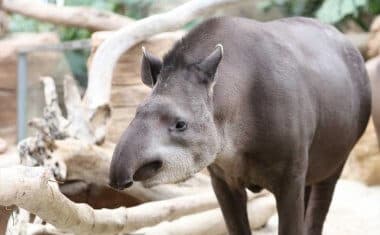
<point x="233" y="202"/>
<point x="290" y="205"/>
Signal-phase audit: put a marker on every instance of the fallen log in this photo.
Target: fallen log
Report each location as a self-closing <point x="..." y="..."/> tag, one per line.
<point x="259" y="212"/>
<point x="47" y="229"/>
<point x="34" y="189"/>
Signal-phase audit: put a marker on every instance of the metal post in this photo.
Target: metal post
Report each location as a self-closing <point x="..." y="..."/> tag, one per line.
<point x="22" y="78"/>
<point x="22" y="89"/>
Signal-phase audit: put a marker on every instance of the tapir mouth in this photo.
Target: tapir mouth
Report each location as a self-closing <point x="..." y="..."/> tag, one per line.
<point x="154" y="182"/>
<point x="147" y="170"/>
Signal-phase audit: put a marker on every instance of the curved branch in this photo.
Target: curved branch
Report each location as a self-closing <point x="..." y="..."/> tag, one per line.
<point x="83" y="17"/>
<point x="259" y="212"/>
<point x="106" y="56"/>
<point x="30" y="188"/>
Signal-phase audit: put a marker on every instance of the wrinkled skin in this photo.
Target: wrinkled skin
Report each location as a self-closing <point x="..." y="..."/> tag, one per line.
<point x="278" y="105"/>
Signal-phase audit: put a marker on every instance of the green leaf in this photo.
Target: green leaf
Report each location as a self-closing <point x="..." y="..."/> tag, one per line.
<point x="264" y="5"/>
<point x="374" y="6"/>
<point x="333" y="11"/>
<point x="297" y="6"/>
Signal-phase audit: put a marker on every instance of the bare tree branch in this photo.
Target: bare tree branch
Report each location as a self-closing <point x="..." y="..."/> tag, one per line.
<point x="83" y="17"/>
<point x="32" y="188"/>
<point x="259" y="212"/>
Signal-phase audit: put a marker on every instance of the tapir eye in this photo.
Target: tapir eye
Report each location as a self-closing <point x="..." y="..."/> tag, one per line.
<point x="180" y="126"/>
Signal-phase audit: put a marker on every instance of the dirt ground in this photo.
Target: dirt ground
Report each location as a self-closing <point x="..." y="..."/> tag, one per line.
<point x="355" y="210"/>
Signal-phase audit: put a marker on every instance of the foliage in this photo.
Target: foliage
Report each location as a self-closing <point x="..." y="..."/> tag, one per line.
<point x="136" y="9"/>
<point x="20" y="23"/>
<point x="330" y="11"/>
<point x="292" y="7"/>
<point x="333" y="11"/>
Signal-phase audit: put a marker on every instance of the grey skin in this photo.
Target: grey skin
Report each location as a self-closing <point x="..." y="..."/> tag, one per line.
<point x="276" y="105"/>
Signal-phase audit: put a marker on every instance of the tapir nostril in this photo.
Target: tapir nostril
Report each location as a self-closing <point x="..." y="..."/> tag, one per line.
<point x="121" y="186"/>
<point x="147" y="171"/>
<point x="127" y="184"/>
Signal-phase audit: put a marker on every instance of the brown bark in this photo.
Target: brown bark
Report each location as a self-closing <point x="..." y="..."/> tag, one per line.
<point x="5" y="213"/>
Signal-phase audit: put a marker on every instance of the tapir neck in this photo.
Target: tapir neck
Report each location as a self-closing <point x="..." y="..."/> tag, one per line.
<point x="225" y="134"/>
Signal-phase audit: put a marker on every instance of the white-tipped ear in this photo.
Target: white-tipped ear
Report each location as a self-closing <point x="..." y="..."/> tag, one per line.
<point x="210" y="64"/>
<point x="143" y="50"/>
<point x="221" y="48"/>
<point x="150" y="68"/>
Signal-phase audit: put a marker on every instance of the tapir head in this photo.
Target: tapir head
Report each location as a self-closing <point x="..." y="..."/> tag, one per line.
<point x="173" y="134"/>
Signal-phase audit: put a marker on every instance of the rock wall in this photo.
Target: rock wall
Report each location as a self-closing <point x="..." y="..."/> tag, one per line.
<point x="127" y="89"/>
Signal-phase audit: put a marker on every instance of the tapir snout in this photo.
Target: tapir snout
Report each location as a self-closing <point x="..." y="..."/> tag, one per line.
<point x="131" y="161"/>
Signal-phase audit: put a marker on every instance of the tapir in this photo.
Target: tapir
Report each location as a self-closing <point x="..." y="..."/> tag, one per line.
<point x="276" y="105"/>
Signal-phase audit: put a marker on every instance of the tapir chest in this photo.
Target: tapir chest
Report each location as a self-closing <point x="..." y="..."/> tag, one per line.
<point x="252" y="172"/>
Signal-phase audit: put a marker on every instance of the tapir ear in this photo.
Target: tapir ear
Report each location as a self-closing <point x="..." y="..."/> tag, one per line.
<point x="150" y="68"/>
<point x="209" y="64"/>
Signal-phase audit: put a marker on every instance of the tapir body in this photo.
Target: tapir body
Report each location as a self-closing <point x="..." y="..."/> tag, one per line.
<point x="276" y="105"/>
